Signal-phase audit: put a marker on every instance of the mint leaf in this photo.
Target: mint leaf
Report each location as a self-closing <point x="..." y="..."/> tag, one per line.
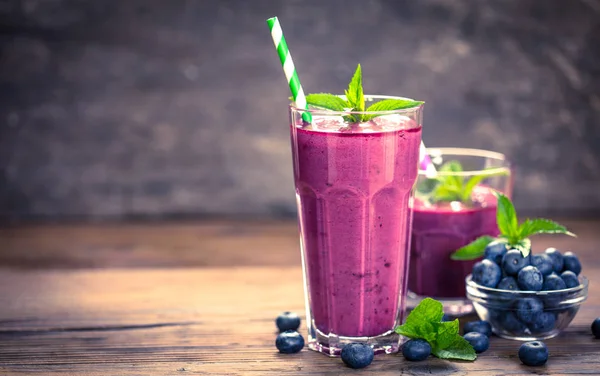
<point x="355" y="101"/>
<point x="426" y="311"/>
<point x="523" y="245"/>
<point x="446" y="193"/>
<point x="514" y="235"/>
<point x="459" y="349"/>
<point x="470" y="185"/>
<point x="420" y="321"/>
<point x="450" y="187"/>
<point x="390" y="105"/>
<point x="354" y="94"/>
<point x="454" y="187"/>
<point x="424" y="330"/>
<point x="327" y="101"/>
<point x="475" y="180"/>
<point x="506" y="218"/>
<point x="424" y="321"/>
<point x="446" y="332"/>
<point x="472" y="250"/>
<point x="542" y="226"/>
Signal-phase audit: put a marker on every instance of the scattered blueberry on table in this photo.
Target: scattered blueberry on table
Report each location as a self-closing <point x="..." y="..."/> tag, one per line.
<point x="287" y="321"/>
<point x="481" y="326"/>
<point x="289" y="342"/>
<point x="480" y="342"/>
<point x="533" y="353"/>
<point x="416" y="350"/>
<point x="357" y="355"/>
<point x="596" y="327"/>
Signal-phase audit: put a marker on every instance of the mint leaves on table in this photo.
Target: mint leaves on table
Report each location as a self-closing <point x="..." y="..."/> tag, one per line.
<point x="448" y="187"/>
<point x="425" y="322"/>
<point x="513" y="234"/>
<point x="355" y="101"/>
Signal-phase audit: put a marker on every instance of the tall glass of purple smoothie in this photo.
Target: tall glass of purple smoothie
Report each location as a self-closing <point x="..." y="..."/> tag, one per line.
<point x="450" y="210"/>
<point x="354" y="188"/>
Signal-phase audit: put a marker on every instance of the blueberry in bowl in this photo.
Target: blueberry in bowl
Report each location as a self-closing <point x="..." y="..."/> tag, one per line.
<point x="528" y="315"/>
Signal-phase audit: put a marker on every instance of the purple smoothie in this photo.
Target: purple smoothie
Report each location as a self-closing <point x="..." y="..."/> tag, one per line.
<point x="439" y="230"/>
<point x="353" y="190"/>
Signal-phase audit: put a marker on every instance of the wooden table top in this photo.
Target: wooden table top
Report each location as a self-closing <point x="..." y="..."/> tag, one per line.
<point x="201" y="299"/>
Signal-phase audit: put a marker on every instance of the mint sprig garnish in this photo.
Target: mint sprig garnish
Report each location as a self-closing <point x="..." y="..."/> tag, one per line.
<point x="513" y="234"/>
<point x="425" y="322"/>
<point x="453" y="187"/>
<point x="355" y="101"/>
<point x="328" y="101"/>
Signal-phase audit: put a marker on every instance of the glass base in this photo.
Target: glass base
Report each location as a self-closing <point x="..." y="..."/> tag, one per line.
<point x="331" y="345"/>
<point x="455" y="307"/>
<point x="526" y="337"/>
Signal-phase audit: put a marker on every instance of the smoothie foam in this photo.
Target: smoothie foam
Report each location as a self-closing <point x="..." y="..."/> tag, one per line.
<point x="353" y="190"/>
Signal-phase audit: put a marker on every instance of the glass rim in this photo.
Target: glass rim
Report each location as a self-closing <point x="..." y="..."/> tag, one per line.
<point x="325" y="112"/>
<point x="581" y="287"/>
<point x="469" y="152"/>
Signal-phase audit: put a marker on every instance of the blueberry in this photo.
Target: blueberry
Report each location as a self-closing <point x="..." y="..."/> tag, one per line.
<point x="357" y="355"/>
<point x="511" y="323"/>
<point x="533" y="353"/>
<point x="447" y="317"/>
<point x="543" y="262"/>
<point x="570" y="279"/>
<point x="289" y="342"/>
<point x="513" y="261"/>
<point x="553" y="282"/>
<point x="480" y="342"/>
<point x="557" y="259"/>
<point x="571" y="262"/>
<point x="416" y="349"/>
<point x="495" y="251"/>
<point x="287" y="321"/>
<point x="486" y="273"/>
<point x="530" y="279"/>
<point x="596" y="327"/>
<point x="544" y="322"/>
<point x="528" y="309"/>
<point x="508" y="283"/>
<point x="482" y="327"/>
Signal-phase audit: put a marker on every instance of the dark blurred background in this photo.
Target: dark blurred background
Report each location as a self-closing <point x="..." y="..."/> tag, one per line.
<point x="113" y="109"/>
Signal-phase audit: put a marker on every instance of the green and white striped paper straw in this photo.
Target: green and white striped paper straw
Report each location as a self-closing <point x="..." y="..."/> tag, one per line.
<point x="288" y="66"/>
<point x="298" y="94"/>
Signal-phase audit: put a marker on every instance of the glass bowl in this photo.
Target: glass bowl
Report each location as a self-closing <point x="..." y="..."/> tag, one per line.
<point x="527" y="315"/>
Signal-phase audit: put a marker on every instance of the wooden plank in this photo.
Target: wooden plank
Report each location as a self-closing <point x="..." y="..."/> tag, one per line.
<point x="210" y="321"/>
<point x="188" y="244"/>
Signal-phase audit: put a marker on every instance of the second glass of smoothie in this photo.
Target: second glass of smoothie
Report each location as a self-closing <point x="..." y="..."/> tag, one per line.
<point x="449" y="212"/>
<point x="354" y="185"/>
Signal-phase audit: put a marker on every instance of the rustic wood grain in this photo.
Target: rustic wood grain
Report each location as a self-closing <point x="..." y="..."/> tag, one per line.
<point x="216" y="321"/>
<point x="212" y="320"/>
<point x="184" y="244"/>
<point x="188" y="244"/>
